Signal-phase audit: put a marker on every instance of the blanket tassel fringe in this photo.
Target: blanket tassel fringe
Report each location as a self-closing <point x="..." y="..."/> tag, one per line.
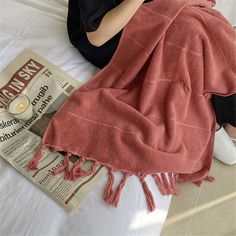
<point x="110" y="196"/>
<point x="166" y="183"/>
<point x="76" y="171"/>
<point x="33" y="164"/>
<point x="207" y="178"/>
<point x="148" y="194"/>
<point x="166" y="187"/>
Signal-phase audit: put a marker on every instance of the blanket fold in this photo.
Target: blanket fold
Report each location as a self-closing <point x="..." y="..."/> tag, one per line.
<point x="149" y="111"/>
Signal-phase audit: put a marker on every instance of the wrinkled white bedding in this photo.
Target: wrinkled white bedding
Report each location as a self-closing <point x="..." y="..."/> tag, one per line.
<point x="24" y="209"/>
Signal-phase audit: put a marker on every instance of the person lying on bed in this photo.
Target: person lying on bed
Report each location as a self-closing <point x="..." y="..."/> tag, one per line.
<point x="95" y="27"/>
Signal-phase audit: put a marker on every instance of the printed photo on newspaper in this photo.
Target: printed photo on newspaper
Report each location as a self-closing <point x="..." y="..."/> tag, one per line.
<point x="47" y="87"/>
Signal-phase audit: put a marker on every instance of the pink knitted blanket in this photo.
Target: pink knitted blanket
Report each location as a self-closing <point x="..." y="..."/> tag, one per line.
<point x="149" y="111"/>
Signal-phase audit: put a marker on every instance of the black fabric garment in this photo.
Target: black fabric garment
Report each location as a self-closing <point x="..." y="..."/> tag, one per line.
<point x="225" y="109"/>
<point x="86" y="15"/>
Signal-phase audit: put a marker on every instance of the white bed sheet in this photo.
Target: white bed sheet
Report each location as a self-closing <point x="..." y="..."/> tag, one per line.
<point x="24" y="209"/>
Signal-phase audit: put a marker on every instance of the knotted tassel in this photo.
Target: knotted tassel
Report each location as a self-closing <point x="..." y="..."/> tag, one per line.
<point x="172" y="179"/>
<point x="33" y="163"/>
<point x="148" y="194"/>
<point x="115" y="196"/>
<point x="58" y="170"/>
<point x="64" y="167"/>
<point x="198" y="183"/>
<point x="108" y="189"/>
<point x="74" y="175"/>
<point x="159" y="184"/>
<point x="76" y="164"/>
<point x="166" y="184"/>
<point x="93" y="169"/>
<point x="78" y="172"/>
<point x="209" y="178"/>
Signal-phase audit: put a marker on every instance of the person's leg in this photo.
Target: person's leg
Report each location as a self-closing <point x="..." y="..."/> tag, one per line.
<point x="224" y="149"/>
<point x="217" y="127"/>
<point x="231" y="130"/>
<point x="225" y="108"/>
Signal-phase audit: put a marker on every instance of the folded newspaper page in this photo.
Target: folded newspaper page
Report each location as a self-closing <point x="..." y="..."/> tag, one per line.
<point x="48" y="87"/>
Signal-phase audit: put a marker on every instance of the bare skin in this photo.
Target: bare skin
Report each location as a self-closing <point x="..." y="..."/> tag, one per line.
<point x="231" y="130"/>
<point x="217" y="127"/>
<point x="115" y="20"/>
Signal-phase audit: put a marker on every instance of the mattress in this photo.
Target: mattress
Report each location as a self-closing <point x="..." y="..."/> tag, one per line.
<point x="25" y="209"/>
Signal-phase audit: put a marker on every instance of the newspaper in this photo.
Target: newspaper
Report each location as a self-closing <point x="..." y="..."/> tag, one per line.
<point x="47" y="86"/>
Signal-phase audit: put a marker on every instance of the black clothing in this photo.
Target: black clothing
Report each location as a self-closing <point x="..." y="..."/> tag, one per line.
<point x="86" y="15"/>
<point x="225" y="108"/>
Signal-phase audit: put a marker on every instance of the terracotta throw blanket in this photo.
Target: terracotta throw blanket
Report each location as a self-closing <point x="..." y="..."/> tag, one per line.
<point x="149" y="111"/>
